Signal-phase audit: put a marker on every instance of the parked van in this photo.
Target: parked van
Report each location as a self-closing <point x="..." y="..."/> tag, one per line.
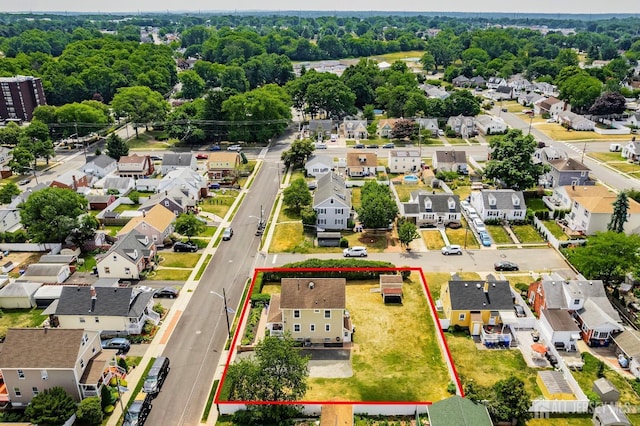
<point x="615" y="147"/>
<point x="157" y="374"/>
<point x="138" y="411"/>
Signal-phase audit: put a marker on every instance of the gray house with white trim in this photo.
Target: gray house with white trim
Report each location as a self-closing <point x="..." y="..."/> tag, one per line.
<point x="499" y="204"/>
<point x="332" y="203"/>
<point x="426" y="209"/>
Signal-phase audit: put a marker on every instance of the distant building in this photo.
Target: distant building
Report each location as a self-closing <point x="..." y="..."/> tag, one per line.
<point x="19" y="96"/>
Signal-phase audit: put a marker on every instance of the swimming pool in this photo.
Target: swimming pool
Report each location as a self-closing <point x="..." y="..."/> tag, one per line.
<point x="411" y="178"/>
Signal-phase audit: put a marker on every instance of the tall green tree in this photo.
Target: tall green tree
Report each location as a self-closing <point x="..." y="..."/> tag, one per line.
<point x="606" y="256"/>
<point x="511" y="401"/>
<point x="511" y="160"/>
<point x="189" y="225"/>
<point x="297" y="195"/>
<point x="36" y="139"/>
<point x="140" y="104"/>
<point x="22" y="160"/>
<point x="116" y="147"/>
<point x="619" y="216"/>
<point x="407" y="232"/>
<point x="192" y="84"/>
<point x="378" y="208"/>
<point x="52" y="406"/>
<point x="10" y="134"/>
<point x="8" y="191"/>
<point x="298" y="153"/>
<point x="85" y="229"/>
<point x="51" y="214"/>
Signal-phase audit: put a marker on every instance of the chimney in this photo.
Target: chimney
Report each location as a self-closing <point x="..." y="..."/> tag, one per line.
<point x="486" y="287"/>
<point x="94" y="297"/>
<point x="144" y="213"/>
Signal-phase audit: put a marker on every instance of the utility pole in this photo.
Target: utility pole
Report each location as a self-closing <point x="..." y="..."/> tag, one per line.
<point x="226" y="312"/>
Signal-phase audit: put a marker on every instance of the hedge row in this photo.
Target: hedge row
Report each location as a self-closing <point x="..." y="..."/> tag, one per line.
<point x="333" y="267"/>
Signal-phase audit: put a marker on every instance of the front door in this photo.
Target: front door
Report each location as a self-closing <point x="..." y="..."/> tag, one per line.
<point x="475" y="329"/>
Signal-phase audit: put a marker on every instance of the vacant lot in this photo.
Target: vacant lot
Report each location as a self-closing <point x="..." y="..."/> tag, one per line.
<point x="463" y="237"/>
<point x="559" y="133"/>
<point x="178" y="260"/>
<point x="169" y="275"/>
<point x="220" y="203"/>
<point x="396" y="356"/>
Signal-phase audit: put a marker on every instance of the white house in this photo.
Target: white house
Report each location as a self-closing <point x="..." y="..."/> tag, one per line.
<point x="462" y="126"/>
<point x="631" y="151"/>
<point x="499" y="204"/>
<point x="628" y="344"/>
<point x="100" y="166"/>
<point x="188" y="181"/>
<point x="404" y="160"/>
<point x="551" y="106"/>
<point x="127" y="257"/>
<point x="430" y="124"/>
<point x="355" y="129"/>
<point x="449" y="161"/>
<point x="427" y="209"/>
<point x="559" y="328"/>
<point x="490" y="125"/>
<point x="319" y="165"/>
<point x="575" y="121"/>
<point x="360" y="163"/>
<point x="495" y="82"/>
<point x="175" y="160"/>
<point x="332" y="202"/>
<point x="9" y="219"/>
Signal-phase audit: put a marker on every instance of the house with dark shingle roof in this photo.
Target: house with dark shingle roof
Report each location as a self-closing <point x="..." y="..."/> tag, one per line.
<point x="458" y="411"/>
<point x="449" y="161"/>
<point x="427" y="209"/>
<point x="320" y="129"/>
<point x="567" y="172"/>
<point x="312" y="310"/>
<point x="35" y="359"/>
<point x="121" y="184"/>
<point x="474" y="304"/>
<point x="628" y="344"/>
<point x="100" y="166"/>
<point x="332" y="202"/>
<point x="499" y="204"/>
<point x="191" y="183"/>
<point x="175" y="160"/>
<point x="355" y="129"/>
<point x="121" y="310"/>
<point x="173" y="200"/>
<point x="319" y="165"/>
<point x="128" y="257"/>
<point x="460" y="81"/>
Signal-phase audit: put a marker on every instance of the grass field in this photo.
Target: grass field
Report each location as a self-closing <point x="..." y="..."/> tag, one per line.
<point x="287" y="215"/>
<point x="486" y="366"/>
<point x="356" y="199"/>
<point x="147" y="141"/>
<point x="527" y="234"/>
<point x="20" y="318"/>
<point x="555" y="230"/>
<point x="606" y="156"/>
<point x="179" y="260"/>
<point x="536" y="204"/>
<point x="432" y="239"/>
<point x="499" y="235"/>
<point x="396" y="56"/>
<point x="460" y="235"/>
<point x="559" y="133"/>
<point x="404" y="191"/>
<point x="221" y="203"/>
<point x="589" y="374"/>
<point x="126" y="207"/>
<point x="286" y="237"/>
<point x="169" y="275"/>
<point x="385" y="367"/>
<point x="208" y="231"/>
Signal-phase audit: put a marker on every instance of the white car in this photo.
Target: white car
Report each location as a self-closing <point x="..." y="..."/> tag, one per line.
<point x="236" y="148"/>
<point x="479" y="224"/>
<point x="355" y="251"/>
<point x="452" y="249"/>
<point x="321" y="146"/>
<point x="464" y="204"/>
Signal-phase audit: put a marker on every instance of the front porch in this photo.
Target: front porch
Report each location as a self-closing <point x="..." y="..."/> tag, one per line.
<point x="136" y="325"/>
<point x="99" y="372"/>
<point x="496" y="336"/>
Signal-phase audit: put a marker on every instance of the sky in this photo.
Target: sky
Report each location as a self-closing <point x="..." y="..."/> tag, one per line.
<point x="516" y="6"/>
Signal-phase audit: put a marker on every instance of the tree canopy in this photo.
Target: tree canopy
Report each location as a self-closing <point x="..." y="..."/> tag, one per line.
<point x="52" y="406"/>
<point x="619" y="216"/>
<point x="297" y="195"/>
<point x="116" y="147"/>
<point x="378" y="208"/>
<point x="140" y="104"/>
<point x="189" y="225"/>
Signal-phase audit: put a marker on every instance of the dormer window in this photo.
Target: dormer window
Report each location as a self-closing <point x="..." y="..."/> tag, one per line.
<point x="492" y="200"/>
<point x="516" y="200"/>
<point x="452" y="203"/>
<point x="428" y="205"/>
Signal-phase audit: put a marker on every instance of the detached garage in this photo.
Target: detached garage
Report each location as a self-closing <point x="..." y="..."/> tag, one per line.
<point x="329" y="239"/>
<point x="391" y="288"/>
<point x="19" y="295"/>
<point x="47" y="273"/>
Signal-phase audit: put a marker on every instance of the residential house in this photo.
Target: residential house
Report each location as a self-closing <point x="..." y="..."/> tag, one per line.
<point x="355" y="129"/>
<point x="127" y="257"/>
<point x="100" y="202"/>
<point x="361" y="164"/>
<point x="111" y="310"/>
<point x="222" y="164"/>
<point x="320" y="129"/>
<point x="46" y="273"/>
<point x="545" y="88"/>
<point x="587" y="303"/>
<point x="72" y="179"/>
<point x="147" y="185"/>
<point x="477" y="81"/>
<point x="19" y="295"/>
<point x="590" y="208"/>
<point x="558" y="327"/>
<point x="427" y="209"/>
<point x="529" y="99"/>
<point x="610" y="415"/>
<point x="188" y="181"/>
<point x="430" y="124"/>
<point x="319" y="165"/>
<point x="36" y="359"/>
<point x="173" y="200"/>
<point x="499" y="204"/>
<point x="115" y="183"/>
<point x="495" y="82"/>
<point x="312" y="310"/>
<point x="504" y="92"/>
<point x="548" y="153"/>
<point x="574" y="121"/>
<point x="462" y="126"/>
<point x="332" y="202"/>
<point x="550" y="106"/>
<point x="631" y="151"/>
<point x="475" y="304"/>
<point x="521" y="85"/>
<point x="458" y="411"/>
<point x="567" y="172"/>
<point x="177" y="160"/>
<point x="490" y="125"/>
<point x="628" y="345"/>
<point x="450" y="161"/>
<point x="135" y="166"/>
<point x="460" y="81"/>
<point x="5" y="155"/>
<point x="157" y="224"/>
<point x="9" y="219"/>
<point x="634" y="119"/>
<point x="435" y="92"/>
<point x="385" y="127"/>
<point x="100" y="166"/>
<point x="404" y="160"/>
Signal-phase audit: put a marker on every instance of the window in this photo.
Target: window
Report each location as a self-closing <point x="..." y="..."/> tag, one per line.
<point x="107" y="270"/>
<point x="17" y="392"/>
<point x="327" y="313"/>
<point x="296" y="328"/>
<point x="34" y="390"/>
<point x="20" y="374"/>
<point x="462" y="317"/>
<point x="576" y="301"/>
<point x="327" y="327"/>
<point x="81" y="363"/>
<point x="312" y="328"/>
<point x="296" y="313"/>
<point x="81" y="319"/>
<point x="97" y="319"/>
<point x="128" y="270"/>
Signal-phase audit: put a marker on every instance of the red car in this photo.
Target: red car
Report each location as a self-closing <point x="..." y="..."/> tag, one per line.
<point x="202" y="156"/>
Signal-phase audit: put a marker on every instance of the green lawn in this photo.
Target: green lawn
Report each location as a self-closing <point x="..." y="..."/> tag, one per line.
<point x="433" y="239"/>
<point x="286" y="237"/>
<point x="606" y="156"/>
<point x="356" y="197"/>
<point x="527" y="234"/>
<point x="126" y="207"/>
<point x="461" y="235"/>
<point x="220" y="204"/>
<point x="20" y="318"/>
<point x="536" y="204"/>
<point x="208" y="231"/>
<point x="588" y="375"/>
<point x="112" y="230"/>
<point x="499" y="235"/>
<point x="404" y="190"/>
<point x="555" y="230"/>
<point x="178" y="260"/>
<point x="287" y="215"/>
<point x="89" y="264"/>
<point x="147" y="141"/>
<point x="169" y="275"/>
<point x="457" y="141"/>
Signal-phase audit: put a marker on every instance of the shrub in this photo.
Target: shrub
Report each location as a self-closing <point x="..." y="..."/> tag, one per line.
<point x="108" y="409"/>
<point x="522" y="287"/>
<point x="122" y="363"/>
<point x="344" y="243"/>
<point x="158" y="308"/>
<point x="451" y="388"/>
<point x="89" y="411"/>
<point x="331" y="264"/>
<point x="260" y="299"/>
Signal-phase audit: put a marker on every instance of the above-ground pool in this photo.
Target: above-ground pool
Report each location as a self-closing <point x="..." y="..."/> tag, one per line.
<point x="411" y="178"/>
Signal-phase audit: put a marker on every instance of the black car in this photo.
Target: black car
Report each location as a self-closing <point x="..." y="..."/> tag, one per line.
<point x="169" y="292"/>
<point x="359" y="146"/>
<point x="185" y="247"/>
<point x="373" y="146"/>
<point x="138" y="411"/>
<point x="505" y="265"/>
<point x="388" y="145"/>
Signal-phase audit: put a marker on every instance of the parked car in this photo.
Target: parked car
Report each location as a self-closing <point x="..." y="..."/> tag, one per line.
<point x="214" y="148"/>
<point x="169" y="292"/>
<point x="312" y="185"/>
<point x="479" y="224"/>
<point x="485" y="238"/>
<point x="355" y="251"/>
<point x="202" y="156"/>
<point x="519" y="311"/>
<point x="24" y="181"/>
<point x="464" y="204"/>
<point x="236" y="148"/>
<point x="440" y="132"/>
<point x="138" y="411"/>
<point x="214" y="185"/>
<point x="334" y="137"/>
<point x="156" y="157"/>
<point x="155" y="378"/>
<point x="452" y="249"/>
<point x="120" y="343"/>
<point x="227" y="234"/>
<point x="185" y="247"/>
<point x="389" y="145"/>
<point x="321" y="146"/>
<point x="373" y="146"/>
<point x="615" y="147"/>
<point x="505" y="265"/>
<point x="359" y="146"/>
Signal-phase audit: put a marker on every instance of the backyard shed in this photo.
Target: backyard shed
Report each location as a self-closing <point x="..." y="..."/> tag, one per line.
<point x="391" y="288"/>
<point x="47" y="272"/>
<point x="329" y="239"/>
<point x="554" y="386"/>
<point x="18" y="295"/>
<point x="628" y="344"/>
<point x="47" y="294"/>
<point x="610" y="415"/>
<point x="458" y="411"/>
<point x="607" y="392"/>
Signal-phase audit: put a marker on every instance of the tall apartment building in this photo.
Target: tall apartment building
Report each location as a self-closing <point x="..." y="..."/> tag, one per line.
<point x="19" y="96"/>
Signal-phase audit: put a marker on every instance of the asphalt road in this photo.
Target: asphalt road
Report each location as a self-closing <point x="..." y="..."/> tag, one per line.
<point x="197" y="342"/>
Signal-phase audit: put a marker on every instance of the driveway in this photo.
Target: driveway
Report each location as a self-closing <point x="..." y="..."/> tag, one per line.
<point x="329" y="363"/>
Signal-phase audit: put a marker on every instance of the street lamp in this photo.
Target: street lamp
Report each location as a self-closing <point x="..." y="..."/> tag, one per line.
<point x="223" y="296"/>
